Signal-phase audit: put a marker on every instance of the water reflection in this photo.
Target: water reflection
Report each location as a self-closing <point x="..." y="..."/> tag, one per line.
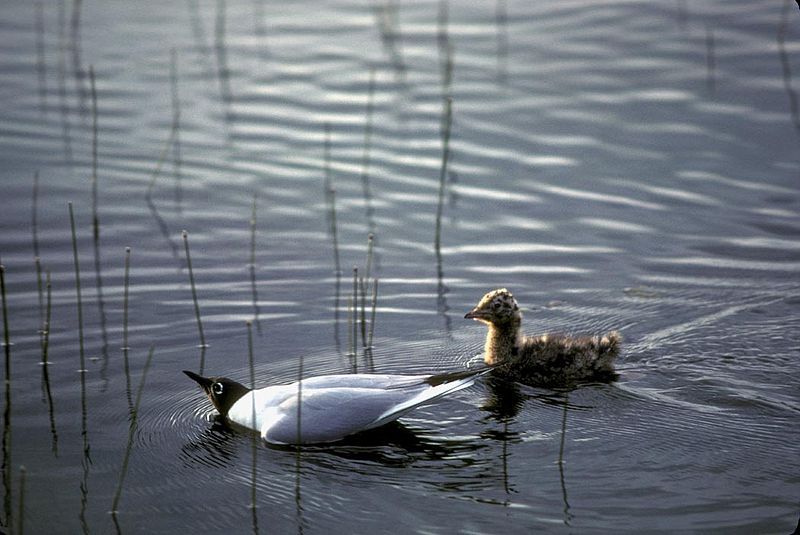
<point x="66" y="136"/>
<point x="77" y="61"/>
<point x="786" y="69"/>
<point x="388" y="22"/>
<point x="41" y="65"/>
<point x="199" y="34"/>
<point x="46" y="367"/>
<point x="221" y="51"/>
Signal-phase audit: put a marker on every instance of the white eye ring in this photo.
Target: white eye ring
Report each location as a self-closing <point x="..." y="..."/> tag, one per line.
<point x="217" y="388"/>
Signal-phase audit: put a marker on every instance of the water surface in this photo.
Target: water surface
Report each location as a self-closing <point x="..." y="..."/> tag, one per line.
<point x="617" y="165"/>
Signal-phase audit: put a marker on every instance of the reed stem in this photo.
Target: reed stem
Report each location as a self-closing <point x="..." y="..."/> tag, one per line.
<point x="370" y="252"/>
<point x="7" y="411"/>
<point x="194" y="291"/>
<point x="350" y="345"/>
<point x="355" y="310"/>
<point x="363" y="286"/>
<point x="46" y="323"/>
<point x="372" y="316"/>
<point x="334" y="232"/>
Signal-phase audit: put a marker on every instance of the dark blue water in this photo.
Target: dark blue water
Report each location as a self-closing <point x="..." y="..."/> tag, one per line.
<point x="617" y="165"/>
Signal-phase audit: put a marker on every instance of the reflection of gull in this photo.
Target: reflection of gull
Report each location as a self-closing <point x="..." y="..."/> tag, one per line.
<point x="546" y="360"/>
<point x="331" y="407"/>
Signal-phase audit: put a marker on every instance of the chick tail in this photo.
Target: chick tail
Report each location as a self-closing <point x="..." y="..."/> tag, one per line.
<point x="607" y="350"/>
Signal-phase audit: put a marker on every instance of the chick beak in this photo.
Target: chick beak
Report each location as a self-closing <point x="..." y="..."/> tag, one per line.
<point x="475" y="314"/>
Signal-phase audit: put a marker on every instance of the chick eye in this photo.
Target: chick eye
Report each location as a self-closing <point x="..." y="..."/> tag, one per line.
<point x="217" y="388"/>
<point x="496" y="306"/>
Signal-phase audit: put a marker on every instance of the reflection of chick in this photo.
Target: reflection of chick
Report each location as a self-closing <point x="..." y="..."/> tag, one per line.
<point x="546" y="360"/>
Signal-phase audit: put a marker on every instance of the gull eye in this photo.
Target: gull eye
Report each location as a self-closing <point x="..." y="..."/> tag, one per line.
<point x="217" y="388"/>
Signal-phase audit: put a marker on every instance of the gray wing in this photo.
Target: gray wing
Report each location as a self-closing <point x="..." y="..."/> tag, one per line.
<point x="365" y="380"/>
<point x="330" y="414"/>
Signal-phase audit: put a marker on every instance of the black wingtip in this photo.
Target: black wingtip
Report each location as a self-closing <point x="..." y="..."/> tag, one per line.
<point x="447" y="377"/>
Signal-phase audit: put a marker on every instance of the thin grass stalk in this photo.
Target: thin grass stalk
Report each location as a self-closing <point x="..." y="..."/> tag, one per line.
<point x="372" y="315"/>
<point x="355" y="310"/>
<point x="334" y="232"/>
<point x="350" y="344"/>
<point x="194" y="291"/>
<point x="7" y="412"/>
<point x="40" y="291"/>
<point x="131" y="433"/>
<point x="362" y="285"/>
<point x="370" y="252"/>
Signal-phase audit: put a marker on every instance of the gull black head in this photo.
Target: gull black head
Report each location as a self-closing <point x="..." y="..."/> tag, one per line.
<point x="222" y="392"/>
<point x="497" y="307"/>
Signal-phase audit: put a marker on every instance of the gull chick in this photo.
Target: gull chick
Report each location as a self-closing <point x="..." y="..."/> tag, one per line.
<point x="549" y="360"/>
